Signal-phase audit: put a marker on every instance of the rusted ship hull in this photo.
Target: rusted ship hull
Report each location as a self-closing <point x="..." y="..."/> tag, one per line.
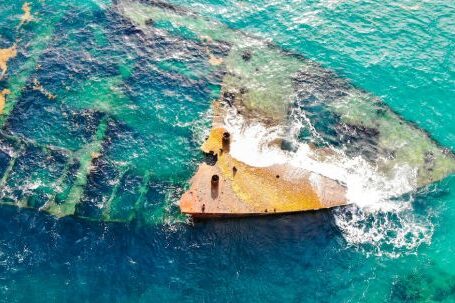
<point x="229" y="188"/>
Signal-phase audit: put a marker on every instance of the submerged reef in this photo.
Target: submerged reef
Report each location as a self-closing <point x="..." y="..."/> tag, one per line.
<point x="84" y="133"/>
<point x="267" y="85"/>
<point x="422" y="286"/>
<point x="27" y="15"/>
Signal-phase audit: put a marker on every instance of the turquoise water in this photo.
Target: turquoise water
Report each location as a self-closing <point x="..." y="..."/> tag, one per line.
<point x="113" y="152"/>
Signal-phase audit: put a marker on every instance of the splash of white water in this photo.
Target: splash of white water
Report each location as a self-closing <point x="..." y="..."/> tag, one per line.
<point x="375" y="222"/>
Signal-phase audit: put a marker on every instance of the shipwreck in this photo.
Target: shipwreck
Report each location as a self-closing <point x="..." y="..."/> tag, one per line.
<point x="265" y="84"/>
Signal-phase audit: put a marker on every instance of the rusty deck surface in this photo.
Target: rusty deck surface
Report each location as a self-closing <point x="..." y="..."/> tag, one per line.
<point x="244" y="190"/>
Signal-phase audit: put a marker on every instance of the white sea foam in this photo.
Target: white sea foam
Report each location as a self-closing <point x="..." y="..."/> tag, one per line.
<point x="376" y="222"/>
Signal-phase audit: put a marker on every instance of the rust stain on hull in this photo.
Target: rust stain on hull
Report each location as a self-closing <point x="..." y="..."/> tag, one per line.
<point x="244" y="190"/>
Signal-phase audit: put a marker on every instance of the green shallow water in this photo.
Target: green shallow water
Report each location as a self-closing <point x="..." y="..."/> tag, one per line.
<point x="121" y="140"/>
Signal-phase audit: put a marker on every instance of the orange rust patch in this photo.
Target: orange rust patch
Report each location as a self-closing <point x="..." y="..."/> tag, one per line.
<point x="5" y="55"/>
<point x="38" y="87"/>
<point x="27" y="15"/>
<point x="3" y="94"/>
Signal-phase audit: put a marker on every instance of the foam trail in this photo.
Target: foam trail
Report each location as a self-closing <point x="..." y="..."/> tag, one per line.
<point x="256" y="145"/>
<point x="376" y="219"/>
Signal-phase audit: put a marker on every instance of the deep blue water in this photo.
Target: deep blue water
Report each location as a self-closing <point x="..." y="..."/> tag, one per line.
<point x="293" y="258"/>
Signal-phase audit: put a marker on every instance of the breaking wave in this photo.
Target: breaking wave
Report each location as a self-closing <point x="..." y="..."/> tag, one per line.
<point x="378" y="221"/>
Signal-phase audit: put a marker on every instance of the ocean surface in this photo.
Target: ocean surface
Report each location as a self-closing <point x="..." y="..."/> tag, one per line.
<point x="100" y="134"/>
